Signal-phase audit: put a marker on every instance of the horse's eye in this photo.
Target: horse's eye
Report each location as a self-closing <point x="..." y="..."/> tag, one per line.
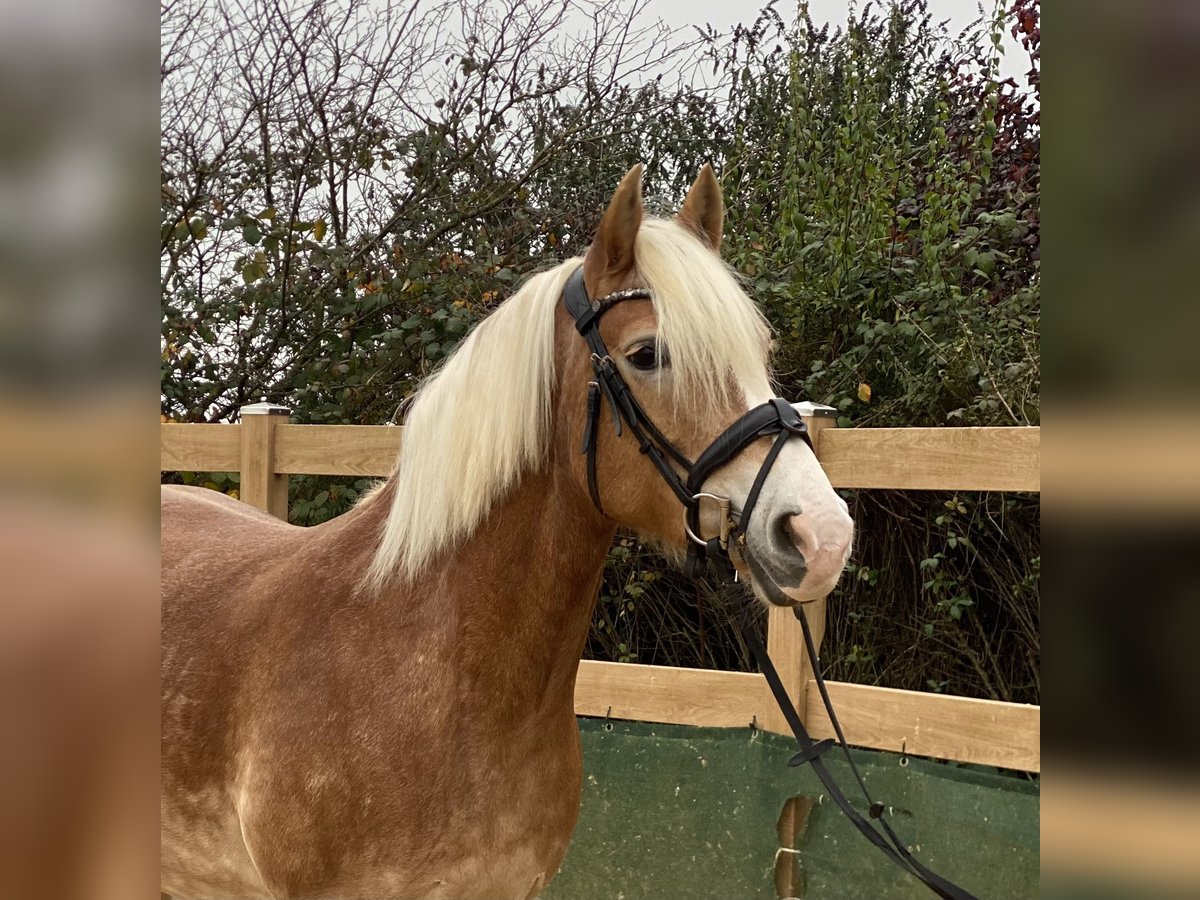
<point x="645" y="358"/>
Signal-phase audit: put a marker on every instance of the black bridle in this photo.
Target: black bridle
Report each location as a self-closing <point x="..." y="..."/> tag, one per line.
<point x="774" y="417"/>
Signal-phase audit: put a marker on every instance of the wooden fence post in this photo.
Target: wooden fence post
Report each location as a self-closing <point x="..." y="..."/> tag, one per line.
<point x="785" y="639"/>
<point x="260" y="485"/>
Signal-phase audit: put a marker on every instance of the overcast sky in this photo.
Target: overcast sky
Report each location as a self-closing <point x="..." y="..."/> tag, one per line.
<point x="723" y="14"/>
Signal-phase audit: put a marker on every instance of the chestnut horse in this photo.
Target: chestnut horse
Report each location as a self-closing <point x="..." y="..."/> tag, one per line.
<point x="382" y="705"/>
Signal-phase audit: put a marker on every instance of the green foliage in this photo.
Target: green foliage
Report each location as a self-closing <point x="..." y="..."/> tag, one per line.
<point x="648" y="612"/>
<point x="859" y="176"/>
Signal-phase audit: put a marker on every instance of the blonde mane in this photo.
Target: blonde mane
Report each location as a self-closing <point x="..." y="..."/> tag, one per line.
<point x="483" y="420"/>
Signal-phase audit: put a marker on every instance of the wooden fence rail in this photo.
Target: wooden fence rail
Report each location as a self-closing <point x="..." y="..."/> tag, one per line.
<point x="265" y="449"/>
<point x="953" y="459"/>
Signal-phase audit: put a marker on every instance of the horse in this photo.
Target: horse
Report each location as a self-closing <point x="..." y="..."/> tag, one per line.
<point x="382" y="705"/>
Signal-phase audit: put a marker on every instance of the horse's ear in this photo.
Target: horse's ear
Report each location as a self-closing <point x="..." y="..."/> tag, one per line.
<point x="703" y="211"/>
<point x="611" y="253"/>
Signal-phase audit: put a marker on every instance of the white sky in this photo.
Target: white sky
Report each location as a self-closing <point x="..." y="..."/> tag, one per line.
<point x="723" y="14"/>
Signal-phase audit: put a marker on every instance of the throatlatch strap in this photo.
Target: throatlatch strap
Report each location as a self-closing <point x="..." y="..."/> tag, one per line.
<point x="589" y="441"/>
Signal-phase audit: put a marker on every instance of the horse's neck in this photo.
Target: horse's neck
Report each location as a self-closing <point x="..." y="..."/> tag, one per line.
<point x="513" y="601"/>
<point x="524" y="586"/>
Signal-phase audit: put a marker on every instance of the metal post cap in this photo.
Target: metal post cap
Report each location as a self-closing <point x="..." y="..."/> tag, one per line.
<point x="810" y="410"/>
<point x="263" y="408"/>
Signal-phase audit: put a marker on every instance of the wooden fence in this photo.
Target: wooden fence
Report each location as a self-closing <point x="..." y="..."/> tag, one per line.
<point x="265" y="449"/>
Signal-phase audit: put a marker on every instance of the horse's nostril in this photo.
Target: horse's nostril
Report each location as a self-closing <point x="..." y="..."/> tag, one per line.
<point x="821" y="543"/>
<point x="800" y="534"/>
<point x="808" y="547"/>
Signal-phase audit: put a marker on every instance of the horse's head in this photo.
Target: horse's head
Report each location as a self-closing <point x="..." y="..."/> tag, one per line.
<point x="694" y="357"/>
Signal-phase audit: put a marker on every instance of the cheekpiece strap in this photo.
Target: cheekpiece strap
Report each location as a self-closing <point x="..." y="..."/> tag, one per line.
<point x="609" y="383"/>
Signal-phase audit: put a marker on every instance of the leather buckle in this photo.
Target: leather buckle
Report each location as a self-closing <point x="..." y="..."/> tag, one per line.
<point x="789" y="419"/>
